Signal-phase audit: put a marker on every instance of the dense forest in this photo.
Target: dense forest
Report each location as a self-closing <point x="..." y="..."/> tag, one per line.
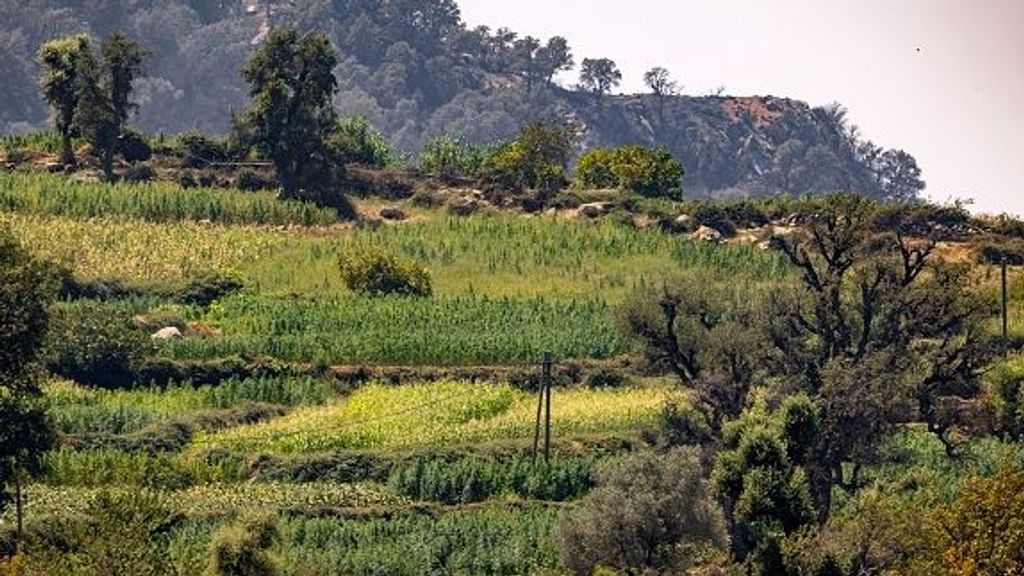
<point x="415" y="71"/>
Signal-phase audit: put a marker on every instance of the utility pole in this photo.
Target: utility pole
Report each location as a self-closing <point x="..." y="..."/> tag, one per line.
<point x="1006" y="332"/>
<point x="547" y="408"/>
<point x="543" y="402"/>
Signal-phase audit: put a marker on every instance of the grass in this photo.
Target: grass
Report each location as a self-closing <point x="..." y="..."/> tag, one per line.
<point x="433" y="331"/>
<point x="78" y="410"/>
<point x="378" y="417"/>
<point x="47" y="194"/>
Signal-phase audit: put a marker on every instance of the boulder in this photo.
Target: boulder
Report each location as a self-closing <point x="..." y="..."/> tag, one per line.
<point x="707" y="234"/>
<point x="594" y="209"/>
<point x="393" y="213"/>
<point x="685" y="224"/>
<point x="54" y="167"/>
<point x="168" y="333"/>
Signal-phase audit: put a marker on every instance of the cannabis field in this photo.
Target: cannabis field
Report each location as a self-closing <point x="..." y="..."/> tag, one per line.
<point x="385" y="434"/>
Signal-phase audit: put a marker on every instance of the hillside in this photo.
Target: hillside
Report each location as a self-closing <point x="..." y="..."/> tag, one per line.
<point x="414" y="70"/>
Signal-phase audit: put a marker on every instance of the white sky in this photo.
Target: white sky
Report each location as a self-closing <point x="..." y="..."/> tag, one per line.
<point x="942" y="79"/>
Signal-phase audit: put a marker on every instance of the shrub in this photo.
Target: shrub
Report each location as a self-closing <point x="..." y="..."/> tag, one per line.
<point x="360" y="143"/>
<point x="252" y="181"/>
<point x="646" y="171"/>
<point x="93" y="345"/>
<point x="713" y="216"/>
<point x="606" y="378"/>
<point x="139" y="173"/>
<point x="134" y="147"/>
<point x="206" y="288"/>
<point x="379" y="274"/>
<point x="197" y="150"/>
<point x="451" y="159"/>
<point x="536" y="159"/>
<point x="649" y="512"/>
<point x="984" y="526"/>
<point x="389" y="183"/>
<point x="243" y="548"/>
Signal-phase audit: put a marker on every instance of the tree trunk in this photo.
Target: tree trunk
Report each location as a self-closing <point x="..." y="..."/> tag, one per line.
<point x="67" y="155"/>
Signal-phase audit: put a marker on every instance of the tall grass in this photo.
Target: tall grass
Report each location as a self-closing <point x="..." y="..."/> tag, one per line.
<point x="437" y="331"/>
<point x="46" y="194"/>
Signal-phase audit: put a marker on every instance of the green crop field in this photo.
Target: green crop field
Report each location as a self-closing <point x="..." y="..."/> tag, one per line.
<point x="437" y="414"/>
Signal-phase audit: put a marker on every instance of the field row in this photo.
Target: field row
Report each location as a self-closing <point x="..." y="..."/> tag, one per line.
<point x="495" y="256"/>
<point x="46" y="194"/>
<point x="379" y="417"/>
<point x="435" y="331"/>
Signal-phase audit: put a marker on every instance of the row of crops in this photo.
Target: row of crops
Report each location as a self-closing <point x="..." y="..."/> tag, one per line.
<point x="379" y="417"/>
<point x="435" y="331"/>
<point x="47" y="194"/>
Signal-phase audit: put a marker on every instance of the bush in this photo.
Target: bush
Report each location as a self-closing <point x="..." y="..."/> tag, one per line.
<point x="206" y="288"/>
<point x="197" y="150"/>
<point x="243" y="548"/>
<point x="646" y="171"/>
<point x="451" y="159"/>
<point x="92" y="345"/>
<point x="713" y="216"/>
<point x="649" y="512"/>
<point x="359" y="143"/>
<point x="388" y="183"/>
<point x="253" y="181"/>
<point x="536" y="159"/>
<point x="139" y="173"/>
<point x="134" y="147"/>
<point x="379" y="274"/>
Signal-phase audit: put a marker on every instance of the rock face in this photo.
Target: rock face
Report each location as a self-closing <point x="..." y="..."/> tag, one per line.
<point x="707" y="234"/>
<point x="392" y="213"/>
<point x="168" y="333"/>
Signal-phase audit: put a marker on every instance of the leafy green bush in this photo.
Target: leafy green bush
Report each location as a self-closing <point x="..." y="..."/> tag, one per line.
<point x="208" y="287"/>
<point x="360" y="143"/>
<point x="380" y="274"/>
<point x="536" y="159"/>
<point x="92" y="344"/>
<point x="649" y="512"/>
<point x="451" y="158"/>
<point x="646" y="171"/>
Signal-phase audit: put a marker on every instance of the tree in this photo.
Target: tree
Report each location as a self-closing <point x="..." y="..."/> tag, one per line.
<point x="524" y="52"/>
<point x="876" y="334"/>
<point x="898" y="176"/>
<point x="704" y="331"/>
<point x="104" y="104"/>
<point x="649" y="511"/>
<point x="291" y="117"/>
<point x="25" y="429"/>
<point x="660" y="82"/>
<point x="537" y="158"/>
<point x="554" y="57"/>
<point x="598" y="76"/>
<point x="59" y="59"/>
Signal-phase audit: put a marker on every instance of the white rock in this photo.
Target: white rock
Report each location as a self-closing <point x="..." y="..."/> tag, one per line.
<point x="169" y="333"/>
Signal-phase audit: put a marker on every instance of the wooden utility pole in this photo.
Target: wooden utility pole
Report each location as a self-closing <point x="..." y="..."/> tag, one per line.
<point x="1006" y="320"/>
<point x="543" y="402"/>
<point x="547" y="408"/>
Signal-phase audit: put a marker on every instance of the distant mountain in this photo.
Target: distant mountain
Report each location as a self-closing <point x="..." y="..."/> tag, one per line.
<point x="414" y="70"/>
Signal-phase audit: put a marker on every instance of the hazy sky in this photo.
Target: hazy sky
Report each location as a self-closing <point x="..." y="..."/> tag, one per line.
<point x="942" y="79"/>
